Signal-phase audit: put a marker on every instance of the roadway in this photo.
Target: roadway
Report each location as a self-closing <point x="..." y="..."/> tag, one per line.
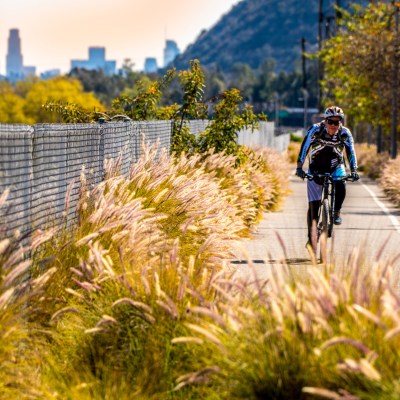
<point x="371" y="226"/>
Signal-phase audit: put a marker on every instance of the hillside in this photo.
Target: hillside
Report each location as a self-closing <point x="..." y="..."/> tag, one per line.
<point x="256" y="30"/>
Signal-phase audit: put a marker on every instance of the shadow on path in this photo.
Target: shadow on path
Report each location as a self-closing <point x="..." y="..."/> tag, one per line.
<point x="287" y="261"/>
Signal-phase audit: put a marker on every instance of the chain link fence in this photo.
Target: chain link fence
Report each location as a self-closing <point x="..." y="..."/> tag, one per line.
<point x="16" y="176"/>
<point x="266" y="136"/>
<point x="41" y="164"/>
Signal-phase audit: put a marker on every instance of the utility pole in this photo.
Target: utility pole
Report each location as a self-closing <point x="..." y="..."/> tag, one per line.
<point x="320" y="22"/>
<point x="393" y="135"/>
<point x="276" y="98"/>
<point x="338" y="16"/>
<point x="303" y="62"/>
<point x="328" y="26"/>
<point x="338" y="12"/>
<point x="304" y="87"/>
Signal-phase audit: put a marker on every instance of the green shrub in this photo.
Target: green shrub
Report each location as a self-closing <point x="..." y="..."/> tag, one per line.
<point x="295" y="138"/>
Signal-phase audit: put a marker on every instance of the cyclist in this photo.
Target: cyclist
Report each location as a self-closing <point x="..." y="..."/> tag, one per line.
<point x="326" y="142"/>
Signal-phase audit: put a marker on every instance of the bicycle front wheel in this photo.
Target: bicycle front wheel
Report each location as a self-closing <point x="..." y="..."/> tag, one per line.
<point x="324" y="231"/>
<point x="325" y="217"/>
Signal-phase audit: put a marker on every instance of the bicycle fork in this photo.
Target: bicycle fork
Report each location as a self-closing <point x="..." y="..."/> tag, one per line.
<point x="331" y="198"/>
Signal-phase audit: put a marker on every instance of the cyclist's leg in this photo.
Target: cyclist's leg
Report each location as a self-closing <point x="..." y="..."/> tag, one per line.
<point x="312" y="216"/>
<point x="340" y="194"/>
<point x="314" y="193"/>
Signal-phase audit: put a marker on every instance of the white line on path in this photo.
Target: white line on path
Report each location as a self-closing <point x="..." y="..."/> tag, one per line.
<point x="395" y="222"/>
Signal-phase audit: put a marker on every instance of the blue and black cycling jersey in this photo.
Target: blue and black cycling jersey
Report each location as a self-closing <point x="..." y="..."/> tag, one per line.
<point x="326" y="152"/>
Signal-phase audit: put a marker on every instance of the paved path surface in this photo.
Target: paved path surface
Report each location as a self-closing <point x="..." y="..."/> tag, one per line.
<point x="370" y="223"/>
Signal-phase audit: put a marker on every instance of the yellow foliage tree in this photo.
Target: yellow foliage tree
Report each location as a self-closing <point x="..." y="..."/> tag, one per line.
<point x="57" y="89"/>
<point x="23" y="102"/>
<point x="11" y="105"/>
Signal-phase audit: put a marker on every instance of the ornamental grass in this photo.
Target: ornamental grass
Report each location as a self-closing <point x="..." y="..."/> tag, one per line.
<point x="141" y="253"/>
<point x="19" y="355"/>
<point x="369" y="161"/>
<point x="330" y="334"/>
<point x="390" y="180"/>
<point x="137" y="299"/>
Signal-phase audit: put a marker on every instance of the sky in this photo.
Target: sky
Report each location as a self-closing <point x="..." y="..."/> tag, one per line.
<point x="53" y="32"/>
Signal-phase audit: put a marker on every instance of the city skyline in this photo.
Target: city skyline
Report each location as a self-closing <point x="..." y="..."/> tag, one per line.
<point x="53" y="33"/>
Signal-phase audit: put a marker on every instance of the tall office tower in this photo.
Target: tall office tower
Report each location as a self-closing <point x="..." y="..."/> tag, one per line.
<point x="171" y="50"/>
<point x="97" y="56"/>
<point x="14" y="63"/>
<point x="150" y="65"/>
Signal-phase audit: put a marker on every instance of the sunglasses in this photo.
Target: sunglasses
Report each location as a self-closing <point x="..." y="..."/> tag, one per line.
<point x="332" y="122"/>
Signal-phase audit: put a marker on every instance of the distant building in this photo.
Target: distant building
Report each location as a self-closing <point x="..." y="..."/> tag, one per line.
<point x="171" y="50"/>
<point x="50" y="73"/>
<point x="15" y="69"/>
<point x="14" y="63"/>
<point x="97" y="61"/>
<point x="150" y="65"/>
<point x="26" y="71"/>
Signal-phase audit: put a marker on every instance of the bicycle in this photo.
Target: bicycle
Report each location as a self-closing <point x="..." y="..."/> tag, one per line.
<point x="324" y="228"/>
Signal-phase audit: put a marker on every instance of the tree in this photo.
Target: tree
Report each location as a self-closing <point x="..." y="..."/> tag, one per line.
<point x="59" y="89"/>
<point x="144" y="100"/>
<point x="215" y="82"/>
<point x="359" y="64"/>
<point x="11" y="105"/>
<point x="229" y="118"/>
<point x="244" y="79"/>
<point x="105" y="87"/>
<point x="263" y="90"/>
<point x="192" y="82"/>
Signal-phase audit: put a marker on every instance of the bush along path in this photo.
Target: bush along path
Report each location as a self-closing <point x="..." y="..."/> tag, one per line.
<point x="378" y="166"/>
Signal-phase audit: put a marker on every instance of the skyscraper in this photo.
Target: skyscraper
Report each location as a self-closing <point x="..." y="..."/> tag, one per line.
<point x="150" y="65"/>
<point x="15" y="69"/>
<point x="171" y="50"/>
<point x="14" y="63"/>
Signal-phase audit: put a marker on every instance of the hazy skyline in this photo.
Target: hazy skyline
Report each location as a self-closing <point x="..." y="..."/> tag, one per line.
<point x="53" y="32"/>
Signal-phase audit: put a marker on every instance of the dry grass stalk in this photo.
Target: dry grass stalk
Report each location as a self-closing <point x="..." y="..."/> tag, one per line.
<point x="353" y="313"/>
<point x="390" y="180"/>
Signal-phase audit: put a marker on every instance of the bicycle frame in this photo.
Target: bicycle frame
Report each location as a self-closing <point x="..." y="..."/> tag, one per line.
<point x="327" y="204"/>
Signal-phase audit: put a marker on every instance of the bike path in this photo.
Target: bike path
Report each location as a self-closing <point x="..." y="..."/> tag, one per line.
<point x="371" y="224"/>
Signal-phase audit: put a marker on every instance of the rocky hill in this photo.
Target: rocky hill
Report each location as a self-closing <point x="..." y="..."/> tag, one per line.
<point x="256" y="30"/>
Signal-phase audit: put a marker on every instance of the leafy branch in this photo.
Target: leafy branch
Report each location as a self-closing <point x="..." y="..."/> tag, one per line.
<point x="144" y="105"/>
<point x="72" y="113"/>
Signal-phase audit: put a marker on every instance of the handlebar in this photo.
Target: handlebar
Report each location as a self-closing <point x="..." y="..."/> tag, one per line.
<point x="348" y="177"/>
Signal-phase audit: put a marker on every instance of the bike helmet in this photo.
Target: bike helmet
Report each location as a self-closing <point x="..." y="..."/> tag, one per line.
<point x="334" y="111"/>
